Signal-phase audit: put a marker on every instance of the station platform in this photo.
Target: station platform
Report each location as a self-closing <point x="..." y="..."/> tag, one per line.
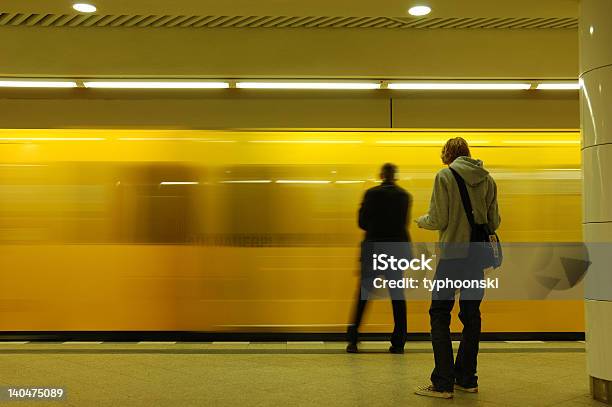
<point x="531" y="373"/>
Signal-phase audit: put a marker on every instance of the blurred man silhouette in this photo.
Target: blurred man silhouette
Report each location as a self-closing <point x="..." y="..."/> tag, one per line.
<point x="383" y="215"/>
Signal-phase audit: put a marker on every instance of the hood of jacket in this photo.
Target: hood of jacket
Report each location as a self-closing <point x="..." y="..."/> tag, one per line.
<point x="471" y="170"/>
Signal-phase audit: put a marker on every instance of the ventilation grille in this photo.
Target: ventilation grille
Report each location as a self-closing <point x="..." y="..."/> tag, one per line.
<point x="166" y="21"/>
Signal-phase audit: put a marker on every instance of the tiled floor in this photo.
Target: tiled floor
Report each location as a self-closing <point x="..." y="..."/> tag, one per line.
<point x="287" y="374"/>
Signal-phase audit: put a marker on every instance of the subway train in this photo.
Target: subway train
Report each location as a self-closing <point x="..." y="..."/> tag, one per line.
<point x="247" y="231"/>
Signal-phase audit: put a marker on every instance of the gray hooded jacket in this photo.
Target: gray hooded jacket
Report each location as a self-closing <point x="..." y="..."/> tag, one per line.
<point x="446" y="213"/>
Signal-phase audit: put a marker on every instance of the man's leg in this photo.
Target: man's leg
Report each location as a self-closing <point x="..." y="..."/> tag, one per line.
<point x="362" y="299"/>
<point x="353" y="329"/>
<point x="398" y="303"/>
<point x="398" y="338"/>
<point x="443" y="375"/>
<point x="466" y="363"/>
<point x="469" y="314"/>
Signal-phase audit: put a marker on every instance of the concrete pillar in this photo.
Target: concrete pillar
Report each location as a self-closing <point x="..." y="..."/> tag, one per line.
<point x="596" y="118"/>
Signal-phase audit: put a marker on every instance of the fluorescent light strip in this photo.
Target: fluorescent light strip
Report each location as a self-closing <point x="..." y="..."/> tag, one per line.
<point x="559" y="86"/>
<point x="458" y="86"/>
<point x="542" y="141"/>
<point x="38" y="84"/>
<point x="179" y="183"/>
<point x="307" y="85"/>
<point x="289" y="85"/>
<point x="248" y="181"/>
<point x="301" y="181"/>
<point x="350" y="182"/>
<point x="156" y="85"/>
<point x="52" y="139"/>
<point x="308" y="141"/>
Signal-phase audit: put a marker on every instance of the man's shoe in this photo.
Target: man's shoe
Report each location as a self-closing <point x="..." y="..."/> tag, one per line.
<point x="466" y="389"/>
<point x="430" y="391"/>
<point x="396" y="349"/>
<point x="351" y="348"/>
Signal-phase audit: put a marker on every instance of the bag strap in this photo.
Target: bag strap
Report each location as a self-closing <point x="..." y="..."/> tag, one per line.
<point x="465" y="198"/>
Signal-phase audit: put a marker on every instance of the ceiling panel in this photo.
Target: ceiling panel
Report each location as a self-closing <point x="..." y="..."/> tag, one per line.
<point x="196" y="21"/>
<point x="343" y="8"/>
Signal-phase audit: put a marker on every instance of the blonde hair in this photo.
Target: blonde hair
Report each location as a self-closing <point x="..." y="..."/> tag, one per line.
<point x="455" y="147"/>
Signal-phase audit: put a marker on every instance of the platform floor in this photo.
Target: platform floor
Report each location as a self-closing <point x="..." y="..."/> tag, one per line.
<point x="287" y="374"/>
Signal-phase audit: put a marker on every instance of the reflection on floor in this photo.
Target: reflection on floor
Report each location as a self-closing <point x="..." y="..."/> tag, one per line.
<point x="287" y="374"/>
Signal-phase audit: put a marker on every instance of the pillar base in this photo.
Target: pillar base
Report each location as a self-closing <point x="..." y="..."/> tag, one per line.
<point x="601" y="389"/>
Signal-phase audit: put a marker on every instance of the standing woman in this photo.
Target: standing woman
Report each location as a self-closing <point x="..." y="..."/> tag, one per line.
<point x="448" y="216"/>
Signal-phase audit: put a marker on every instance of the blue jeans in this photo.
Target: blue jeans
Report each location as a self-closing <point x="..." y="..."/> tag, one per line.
<point x="463" y="370"/>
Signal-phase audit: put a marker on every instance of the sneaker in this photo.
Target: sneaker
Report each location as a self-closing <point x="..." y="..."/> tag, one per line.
<point x="351" y="348"/>
<point x="466" y="389"/>
<point x="396" y="349"/>
<point x="431" y="391"/>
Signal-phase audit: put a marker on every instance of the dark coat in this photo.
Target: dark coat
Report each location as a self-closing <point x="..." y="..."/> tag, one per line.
<point x="385" y="213"/>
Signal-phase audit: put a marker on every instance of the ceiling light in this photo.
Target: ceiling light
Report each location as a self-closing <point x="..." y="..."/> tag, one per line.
<point x="419" y="11"/>
<point x="307" y="85"/>
<point x="156" y="85"/>
<point x="559" y="86"/>
<point x="459" y="86"/>
<point x="84" y="8"/>
<point x="38" y="84"/>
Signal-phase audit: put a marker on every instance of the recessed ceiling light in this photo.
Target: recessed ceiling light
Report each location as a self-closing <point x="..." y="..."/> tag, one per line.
<point x="84" y="7"/>
<point x="419" y="10"/>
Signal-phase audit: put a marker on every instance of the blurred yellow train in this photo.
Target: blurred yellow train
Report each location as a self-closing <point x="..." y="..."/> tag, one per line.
<point x="245" y="231"/>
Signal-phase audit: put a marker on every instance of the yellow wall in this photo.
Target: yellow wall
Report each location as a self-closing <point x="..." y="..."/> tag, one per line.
<point x="331" y="53"/>
<point x="235" y="108"/>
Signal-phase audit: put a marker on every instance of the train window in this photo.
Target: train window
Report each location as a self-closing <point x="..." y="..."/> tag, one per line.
<point x="259" y="205"/>
<point x="155" y="203"/>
